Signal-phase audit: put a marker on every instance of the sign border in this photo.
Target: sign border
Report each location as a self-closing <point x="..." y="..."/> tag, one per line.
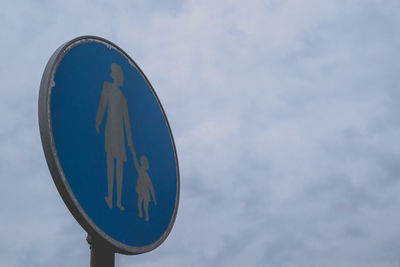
<point x="49" y="148"/>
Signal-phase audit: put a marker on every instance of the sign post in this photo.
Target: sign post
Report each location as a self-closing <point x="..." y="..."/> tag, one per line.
<point x="101" y="255"/>
<point x="109" y="148"/>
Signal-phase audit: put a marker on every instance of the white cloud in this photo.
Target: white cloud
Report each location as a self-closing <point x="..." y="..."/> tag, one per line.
<point x="285" y="117"/>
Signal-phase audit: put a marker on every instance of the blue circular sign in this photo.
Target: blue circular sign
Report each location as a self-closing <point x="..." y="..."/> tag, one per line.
<point x="108" y="145"/>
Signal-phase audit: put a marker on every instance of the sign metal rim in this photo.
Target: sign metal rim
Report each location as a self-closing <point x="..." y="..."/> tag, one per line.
<point x="56" y="170"/>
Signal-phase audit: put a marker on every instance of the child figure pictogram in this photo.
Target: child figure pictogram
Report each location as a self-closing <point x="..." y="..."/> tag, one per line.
<point x="143" y="185"/>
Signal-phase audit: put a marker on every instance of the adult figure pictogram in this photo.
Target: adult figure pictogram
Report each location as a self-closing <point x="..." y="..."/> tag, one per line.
<point x="115" y="102"/>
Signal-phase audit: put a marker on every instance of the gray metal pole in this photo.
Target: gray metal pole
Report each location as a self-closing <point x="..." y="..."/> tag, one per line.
<point x="101" y="255"/>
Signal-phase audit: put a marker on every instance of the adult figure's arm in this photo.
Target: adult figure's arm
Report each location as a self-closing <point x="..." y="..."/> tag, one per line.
<point x="152" y="192"/>
<point x="135" y="160"/>
<point x="102" y="106"/>
<point x="128" y="133"/>
<point x="127" y="126"/>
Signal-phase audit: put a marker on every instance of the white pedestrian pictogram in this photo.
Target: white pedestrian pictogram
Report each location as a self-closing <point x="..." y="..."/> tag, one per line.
<point x="114" y="101"/>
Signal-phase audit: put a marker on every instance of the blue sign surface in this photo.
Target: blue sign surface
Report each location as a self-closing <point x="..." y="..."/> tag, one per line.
<point x="113" y="144"/>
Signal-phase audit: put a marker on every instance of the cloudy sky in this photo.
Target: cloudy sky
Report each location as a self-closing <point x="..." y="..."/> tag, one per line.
<point x="285" y="116"/>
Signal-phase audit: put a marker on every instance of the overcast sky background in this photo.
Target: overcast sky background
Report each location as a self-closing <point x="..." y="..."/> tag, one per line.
<point x="285" y="116"/>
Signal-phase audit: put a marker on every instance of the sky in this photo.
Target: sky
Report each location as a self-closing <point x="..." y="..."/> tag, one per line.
<point x="285" y="117"/>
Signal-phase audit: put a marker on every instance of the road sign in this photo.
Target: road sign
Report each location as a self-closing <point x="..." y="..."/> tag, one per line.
<point x="108" y="145"/>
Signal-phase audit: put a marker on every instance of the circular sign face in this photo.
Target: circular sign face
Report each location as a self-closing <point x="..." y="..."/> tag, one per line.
<point x="108" y="145"/>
